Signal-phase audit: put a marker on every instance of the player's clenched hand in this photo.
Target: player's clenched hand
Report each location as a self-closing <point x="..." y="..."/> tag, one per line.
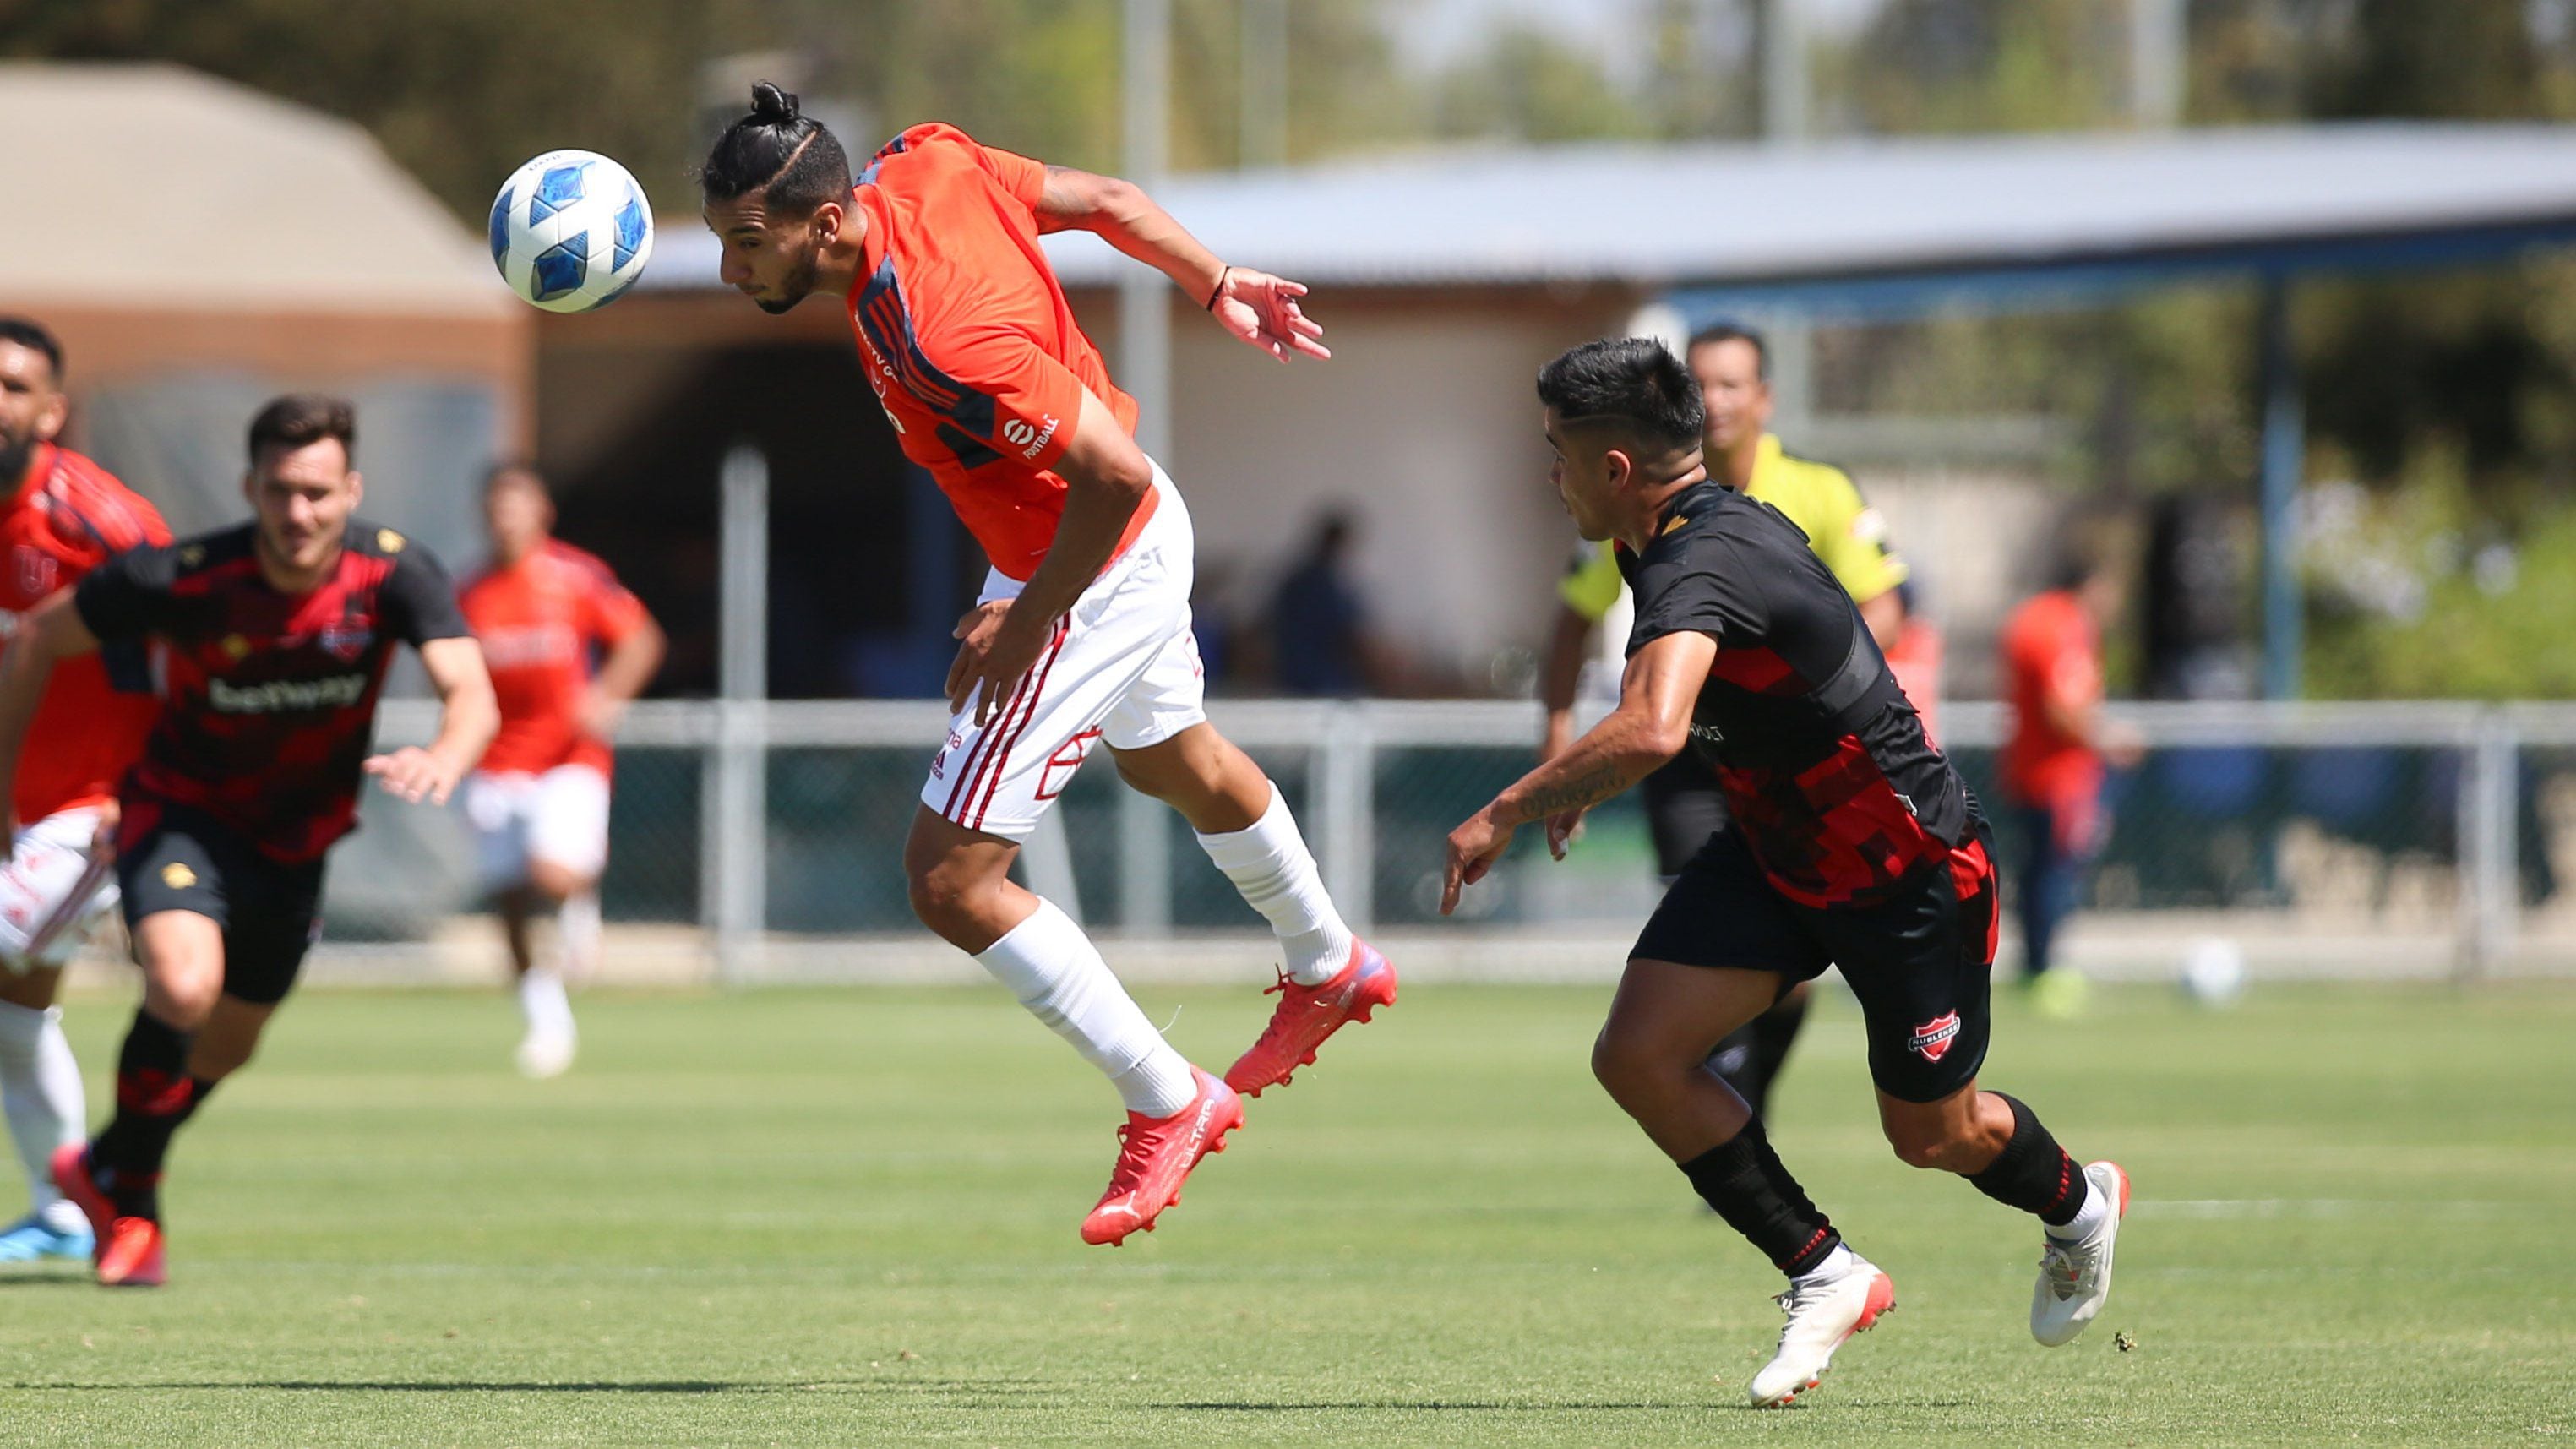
<point x="414" y="774"/>
<point x="1263" y="310"/>
<point x="1473" y="849"/>
<point x="995" y="652"/>
<point x="102" y="841"/>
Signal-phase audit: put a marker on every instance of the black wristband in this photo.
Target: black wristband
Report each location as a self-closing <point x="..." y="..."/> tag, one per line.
<point x="1223" y="274"/>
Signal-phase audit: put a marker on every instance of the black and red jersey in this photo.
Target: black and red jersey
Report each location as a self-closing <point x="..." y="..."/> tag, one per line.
<point x="1824" y="765"/>
<point x="270" y="697"/>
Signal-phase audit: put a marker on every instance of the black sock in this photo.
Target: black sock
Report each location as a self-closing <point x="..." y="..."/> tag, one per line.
<point x="1750" y="1057"/>
<point x="2034" y="1173"/>
<point x="1742" y="1178"/>
<point x="154" y="1094"/>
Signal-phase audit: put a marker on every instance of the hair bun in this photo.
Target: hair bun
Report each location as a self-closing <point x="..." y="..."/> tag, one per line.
<point x="770" y="104"/>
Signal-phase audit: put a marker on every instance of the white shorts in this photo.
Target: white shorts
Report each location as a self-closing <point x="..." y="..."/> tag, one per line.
<point x="1122" y="667"/>
<point x="560" y="817"/>
<point x="53" y="888"/>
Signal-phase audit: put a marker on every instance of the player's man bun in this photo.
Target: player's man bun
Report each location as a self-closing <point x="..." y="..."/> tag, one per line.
<point x="770" y="105"/>
<point x="779" y="152"/>
<point x="1634" y="381"/>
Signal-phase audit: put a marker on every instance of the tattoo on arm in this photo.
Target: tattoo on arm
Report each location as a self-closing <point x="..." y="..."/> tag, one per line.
<point x="1589" y="788"/>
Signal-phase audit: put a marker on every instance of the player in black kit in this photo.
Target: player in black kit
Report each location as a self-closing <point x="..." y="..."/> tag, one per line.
<point x="1852" y="843"/>
<point x="272" y="640"/>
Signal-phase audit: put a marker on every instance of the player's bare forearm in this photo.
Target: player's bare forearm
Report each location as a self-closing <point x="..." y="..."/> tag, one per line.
<point x="1609" y="758"/>
<point x="1106" y="480"/>
<point x="630" y="664"/>
<point x="1121" y="214"/>
<point x="1884" y="614"/>
<point x="468" y="714"/>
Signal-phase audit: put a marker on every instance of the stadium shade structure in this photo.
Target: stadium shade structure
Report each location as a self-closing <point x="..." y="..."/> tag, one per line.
<point x="293" y="252"/>
<point x="1898" y="228"/>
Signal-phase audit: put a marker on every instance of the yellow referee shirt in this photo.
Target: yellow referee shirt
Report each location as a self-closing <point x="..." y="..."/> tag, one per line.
<point x="1846" y="533"/>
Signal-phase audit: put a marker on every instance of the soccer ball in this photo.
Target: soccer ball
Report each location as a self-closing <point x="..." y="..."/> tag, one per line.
<point x="2213" y="972"/>
<point x="571" y="231"/>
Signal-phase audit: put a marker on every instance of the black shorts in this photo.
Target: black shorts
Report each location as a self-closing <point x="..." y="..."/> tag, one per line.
<point x="1683" y="809"/>
<point x="1921" y="961"/>
<point x="173" y="858"/>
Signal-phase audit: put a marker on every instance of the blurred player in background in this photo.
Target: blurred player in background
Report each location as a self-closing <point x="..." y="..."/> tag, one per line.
<point x="1683" y="808"/>
<point x="1082" y="636"/>
<point x="568" y="649"/>
<point x="2051" y="765"/>
<point x="1849" y="842"/>
<point x="65" y="516"/>
<point x="273" y="640"/>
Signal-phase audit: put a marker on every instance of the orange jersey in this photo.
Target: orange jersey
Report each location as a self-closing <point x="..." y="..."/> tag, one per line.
<point x="539" y="622"/>
<point x="2051" y="650"/>
<point x="967" y="338"/>
<point x="66" y="518"/>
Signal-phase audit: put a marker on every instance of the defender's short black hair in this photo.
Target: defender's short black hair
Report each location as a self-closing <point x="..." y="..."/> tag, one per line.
<point x="788" y="157"/>
<point x="1630" y="380"/>
<point x="301" y="419"/>
<point x="31" y="334"/>
<point x="1717" y="332"/>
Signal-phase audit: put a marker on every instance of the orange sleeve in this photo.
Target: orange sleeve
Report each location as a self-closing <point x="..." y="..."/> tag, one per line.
<point x="1012" y="397"/>
<point x="609" y="610"/>
<point x="1023" y="178"/>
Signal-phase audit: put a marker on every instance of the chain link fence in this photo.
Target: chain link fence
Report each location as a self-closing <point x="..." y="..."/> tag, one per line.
<point x="763" y="841"/>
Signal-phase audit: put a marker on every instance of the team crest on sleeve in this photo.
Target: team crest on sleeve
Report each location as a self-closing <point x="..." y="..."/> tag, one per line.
<point x="389" y="541"/>
<point x="191" y="556"/>
<point x="1932" y="1039"/>
<point x="177" y="876"/>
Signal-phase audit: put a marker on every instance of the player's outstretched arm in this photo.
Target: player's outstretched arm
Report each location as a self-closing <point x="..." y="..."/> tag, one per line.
<point x="467" y="720"/>
<point x="1650" y="726"/>
<point x="52" y="630"/>
<point x="1255" y="306"/>
<point x="629" y="666"/>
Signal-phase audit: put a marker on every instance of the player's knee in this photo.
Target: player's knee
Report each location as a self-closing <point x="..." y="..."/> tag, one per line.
<point x="944" y="898"/>
<point x="557" y="883"/>
<point x="180" y="996"/>
<point x="1627" y="1068"/>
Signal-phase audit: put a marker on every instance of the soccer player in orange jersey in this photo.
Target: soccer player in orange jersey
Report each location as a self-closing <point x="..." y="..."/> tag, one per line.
<point x="64" y="516"/>
<point x="569" y="648"/>
<point x="1082" y="636"/>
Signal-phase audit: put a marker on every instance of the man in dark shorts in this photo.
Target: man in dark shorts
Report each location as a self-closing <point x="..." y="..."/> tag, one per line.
<point x="272" y="639"/>
<point x="1851" y="843"/>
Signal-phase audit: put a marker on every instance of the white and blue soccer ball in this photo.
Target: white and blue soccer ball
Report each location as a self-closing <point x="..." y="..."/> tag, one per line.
<point x="2213" y="972"/>
<point x="571" y="231"/>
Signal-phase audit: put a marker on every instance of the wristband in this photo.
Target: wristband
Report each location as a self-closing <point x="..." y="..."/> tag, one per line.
<point x="1222" y="276"/>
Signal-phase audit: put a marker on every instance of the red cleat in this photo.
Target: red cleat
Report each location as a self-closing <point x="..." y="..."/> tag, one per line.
<point x="1309" y="1014"/>
<point x="1155" y="1154"/>
<point x="72" y="1180"/>
<point x="129" y="1250"/>
<point x="132" y="1257"/>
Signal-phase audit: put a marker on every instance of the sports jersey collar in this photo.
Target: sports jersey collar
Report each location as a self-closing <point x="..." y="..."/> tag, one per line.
<point x="1690" y="503"/>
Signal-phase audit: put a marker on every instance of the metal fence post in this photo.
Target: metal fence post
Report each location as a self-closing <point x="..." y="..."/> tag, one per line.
<point x="738" y="825"/>
<point x="2490" y="852"/>
<point x="1144" y="864"/>
<point x="1349" y="824"/>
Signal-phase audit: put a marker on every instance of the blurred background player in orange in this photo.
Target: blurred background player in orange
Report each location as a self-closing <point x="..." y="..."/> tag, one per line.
<point x="569" y="648"/>
<point x="2051" y="766"/>
<point x="64" y="516"/>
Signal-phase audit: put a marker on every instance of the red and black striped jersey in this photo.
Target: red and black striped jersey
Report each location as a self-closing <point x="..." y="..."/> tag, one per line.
<point x="269" y="697"/>
<point x="1824" y="765"/>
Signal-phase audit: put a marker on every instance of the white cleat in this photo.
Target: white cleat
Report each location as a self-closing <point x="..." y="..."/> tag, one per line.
<point x="1821" y="1317"/>
<point x="545" y="1054"/>
<point x="2075" y="1277"/>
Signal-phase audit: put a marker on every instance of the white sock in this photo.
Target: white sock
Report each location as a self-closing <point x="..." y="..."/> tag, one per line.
<point x="1838" y="1262"/>
<point x="41" y="1085"/>
<point x="1058" y="975"/>
<point x="1269" y="864"/>
<point x="542" y="1002"/>
<point x="577" y="936"/>
<point x="2097" y="1208"/>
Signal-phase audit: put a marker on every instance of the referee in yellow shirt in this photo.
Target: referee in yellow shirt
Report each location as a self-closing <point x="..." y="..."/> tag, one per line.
<point x="1683" y="808"/>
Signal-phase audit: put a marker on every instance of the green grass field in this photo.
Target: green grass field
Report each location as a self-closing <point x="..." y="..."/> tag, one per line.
<point x="847" y="1218"/>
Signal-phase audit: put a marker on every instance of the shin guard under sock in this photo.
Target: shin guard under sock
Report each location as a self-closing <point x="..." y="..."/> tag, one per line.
<point x="1742" y="1178"/>
<point x="2033" y="1173"/>
<point x="154" y="1095"/>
